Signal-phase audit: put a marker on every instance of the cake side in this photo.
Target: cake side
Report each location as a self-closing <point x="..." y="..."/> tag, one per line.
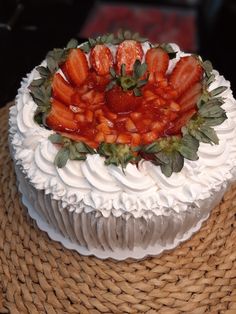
<point x="116" y="237"/>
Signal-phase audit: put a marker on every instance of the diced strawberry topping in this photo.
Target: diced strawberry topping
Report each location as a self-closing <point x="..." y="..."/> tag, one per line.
<point x="127" y="53"/>
<point x="187" y="72"/>
<point x="77" y="66"/>
<point x="101" y="59"/>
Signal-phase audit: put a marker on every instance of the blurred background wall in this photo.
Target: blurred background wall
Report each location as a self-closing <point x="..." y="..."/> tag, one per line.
<point x="28" y="29"/>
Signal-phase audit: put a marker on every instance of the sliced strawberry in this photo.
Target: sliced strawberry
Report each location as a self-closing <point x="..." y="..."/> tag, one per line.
<point x="77" y="66"/>
<point x="79" y="138"/>
<point x="61" y="118"/>
<point x="101" y="59"/>
<point x="180" y="122"/>
<point x="186" y="73"/>
<point x="120" y="101"/>
<point x="61" y="89"/>
<point x="189" y="99"/>
<point x="127" y="53"/>
<point x="157" y="60"/>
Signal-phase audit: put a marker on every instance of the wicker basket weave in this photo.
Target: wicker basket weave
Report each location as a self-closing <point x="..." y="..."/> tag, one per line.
<point x="38" y="275"/>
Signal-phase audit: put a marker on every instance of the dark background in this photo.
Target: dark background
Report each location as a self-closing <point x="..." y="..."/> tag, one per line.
<point x="28" y="29"/>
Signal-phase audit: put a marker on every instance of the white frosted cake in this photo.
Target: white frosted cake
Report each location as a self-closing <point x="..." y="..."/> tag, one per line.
<point x="121" y="147"/>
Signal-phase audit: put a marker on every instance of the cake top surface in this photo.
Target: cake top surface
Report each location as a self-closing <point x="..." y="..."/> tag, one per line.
<point x="122" y="116"/>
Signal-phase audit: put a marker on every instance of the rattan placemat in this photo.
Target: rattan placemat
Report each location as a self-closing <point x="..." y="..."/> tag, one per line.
<point x="38" y="275"/>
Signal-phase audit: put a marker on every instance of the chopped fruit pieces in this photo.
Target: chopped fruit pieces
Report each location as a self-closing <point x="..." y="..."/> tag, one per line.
<point x="101" y="59"/>
<point x="187" y="72"/>
<point x="62" y="90"/>
<point x="149" y="137"/>
<point x="80" y="117"/>
<point x="157" y="60"/>
<point x="130" y="126"/>
<point x="124" y="138"/>
<point x="60" y="118"/>
<point x="127" y="53"/>
<point x="103" y="127"/>
<point x="99" y="137"/>
<point x="77" y="66"/>
<point x="110" y="138"/>
<point x="136" y="139"/>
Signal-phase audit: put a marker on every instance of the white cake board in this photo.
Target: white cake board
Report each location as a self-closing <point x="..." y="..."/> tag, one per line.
<point x="118" y="254"/>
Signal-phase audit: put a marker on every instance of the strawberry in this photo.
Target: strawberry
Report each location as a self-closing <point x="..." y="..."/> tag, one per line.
<point x="127" y="53"/>
<point x="61" y="118"/>
<point x="61" y="89"/>
<point x="157" y="60"/>
<point x="186" y="73"/>
<point x="120" y="101"/>
<point x="101" y="59"/>
<point x="189" y="99"/>
<point x="79" y="138"/>
<point x="180" y="122"/>
<point x="77" y="67"/>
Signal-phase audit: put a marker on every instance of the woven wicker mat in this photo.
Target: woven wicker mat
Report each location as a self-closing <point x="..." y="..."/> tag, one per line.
<point x="38" y="275"/>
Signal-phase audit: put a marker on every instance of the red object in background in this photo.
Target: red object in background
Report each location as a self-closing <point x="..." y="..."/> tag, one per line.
<point x="159" y="24"/>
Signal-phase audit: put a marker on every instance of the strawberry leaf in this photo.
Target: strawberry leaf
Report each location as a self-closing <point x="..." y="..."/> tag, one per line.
<point x="177" y="161"/>
<point x="62" y="157"/>
<point x="56" y="138"/>
<point x="72" y="44"/>
<point x="218" y="91"/>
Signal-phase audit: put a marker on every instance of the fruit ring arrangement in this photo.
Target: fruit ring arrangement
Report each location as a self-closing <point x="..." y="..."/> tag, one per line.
<point x="126" y="105"/>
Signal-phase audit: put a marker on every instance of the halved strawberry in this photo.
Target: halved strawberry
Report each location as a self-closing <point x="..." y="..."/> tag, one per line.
<point x="189" y="99"/>
<point x="180" y="122"/>
<point x="61" y="118"/>
<point x="120" y="101"/>
<point x="77" y="66"/>
<point x="187" y="72"/>
<point x="62" y="90"/>
<point x="157" y="60"/>
<point x="101" y="59"/>
<point x="127" y="53"/>
<point x="79" y="138"/>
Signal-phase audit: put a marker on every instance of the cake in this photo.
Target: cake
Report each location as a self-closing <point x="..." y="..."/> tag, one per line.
<point x="122" y="147"/>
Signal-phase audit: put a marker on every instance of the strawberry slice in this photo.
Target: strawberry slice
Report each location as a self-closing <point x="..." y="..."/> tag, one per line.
<point x="186" y="73"/>
<point x="62" y="90"/>
<point x="157" y="60"/>
<point x="79" y="138"/>
<point x="189" y="99"/>
<point x="101" y="59"/>
<point x="120" y="101"/>
<point x="127" y="53"/>
<point x="61" y="118"/>
<point x="180" y="122"/>
<point x="77" y="67"/>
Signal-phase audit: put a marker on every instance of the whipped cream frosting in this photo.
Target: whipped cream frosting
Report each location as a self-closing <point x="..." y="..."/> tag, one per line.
<point x="143" y="190"/>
